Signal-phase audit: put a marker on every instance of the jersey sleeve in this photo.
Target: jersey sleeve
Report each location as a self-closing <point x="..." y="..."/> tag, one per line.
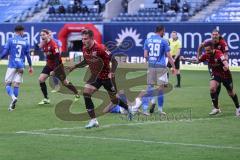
<point x="27" y="54"/>
<point x="145" y="47"/>
<point x="220" y="56"/>
<point x="6" y="49"/>
<point x="203" y="58"/>
<point x="224" y="45"/>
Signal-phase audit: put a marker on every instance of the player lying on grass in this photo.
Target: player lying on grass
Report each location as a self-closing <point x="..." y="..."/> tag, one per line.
<point x="220" y="74"/>
<point x="17" y="48"/>
<point x="111" y="108"/>
<point x="136" y="105"/>
<point x="54" y="67"/>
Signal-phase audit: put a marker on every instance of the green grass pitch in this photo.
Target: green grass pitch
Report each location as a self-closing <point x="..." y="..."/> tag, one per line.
<point x="33" y="132"/>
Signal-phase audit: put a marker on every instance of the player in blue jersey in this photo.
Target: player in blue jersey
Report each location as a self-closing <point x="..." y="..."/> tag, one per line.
<point x="17" y="48"/>
<point x="156" y="51"/>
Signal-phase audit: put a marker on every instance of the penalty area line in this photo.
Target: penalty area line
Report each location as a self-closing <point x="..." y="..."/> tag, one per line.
<point x="133" y="140"/>
<point x="125" y="124"/>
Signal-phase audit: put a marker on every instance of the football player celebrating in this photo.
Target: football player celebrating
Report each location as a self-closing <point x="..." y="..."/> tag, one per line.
<point x="54" y="67"/>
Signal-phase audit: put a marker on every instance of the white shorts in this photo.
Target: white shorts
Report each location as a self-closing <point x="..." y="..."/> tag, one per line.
<point x="12" y="75"/>
<point x="157" y="76"/>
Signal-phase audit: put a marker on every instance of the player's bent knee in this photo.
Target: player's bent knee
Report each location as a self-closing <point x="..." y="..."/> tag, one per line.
<point x="213" y="90"/>
<point x="231" y="93"/>
<point x="8" y="83"/>
<point x="20" y="71"/>
<point x="65" y="83"/>
<point x="89" y="87"/>
<point x="88" y="101"/>
<point x="16" y="84"/>
<point x="41" y="79"/>
<point x="86" y="94"/>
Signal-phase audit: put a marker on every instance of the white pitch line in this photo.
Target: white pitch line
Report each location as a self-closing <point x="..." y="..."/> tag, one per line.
<point x="123" y="124"/>
<point x="133" y="140"/>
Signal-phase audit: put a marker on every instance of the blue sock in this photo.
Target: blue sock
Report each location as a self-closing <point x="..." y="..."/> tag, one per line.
<point x="150" y="90"/>
<point x="145" y="102"/>
<point x="146" y="98"/>
<point x="15" y="91"/>
<point x="55" y="80"/>
<point x="160" y="100"/>
<point x="9" y="90"/>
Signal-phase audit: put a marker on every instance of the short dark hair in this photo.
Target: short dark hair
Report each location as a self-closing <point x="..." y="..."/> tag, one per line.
<point x="159" y="28"/>
<point x="19" y="28"/>
<point x="88" y="32"/>
<point x="215" y="30"/>
<point x="45" y="30"/>
<point x="209" y="43"/>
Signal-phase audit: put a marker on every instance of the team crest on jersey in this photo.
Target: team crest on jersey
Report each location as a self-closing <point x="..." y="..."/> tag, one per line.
<point x="219" y="47"/>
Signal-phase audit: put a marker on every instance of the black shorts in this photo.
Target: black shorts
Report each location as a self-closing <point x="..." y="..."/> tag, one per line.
<point x="227" y="82"/>
<point x="59" y="72"/>
<point x="177" y="63"/>
<point x="108" y="84"/>
<point x="210" y="70"/>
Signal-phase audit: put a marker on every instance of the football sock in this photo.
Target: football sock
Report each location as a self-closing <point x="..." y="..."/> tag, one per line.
<point x="72" y="88"/>
<point x="91" y="113"/>
<point x="9" y="91"/>
<point x="178" y="79"/>
<point x="145" y="102"/>
<point x="160" y="100"/>
<point x="44" y="89"/>
<point x="55" y="80"/>
<point x="144" y="108"/>
<point x="235" y="100"/>
<point x="214" y="97"/>
<point x="218" y="89"/>
<point x="16" y="91"/>
<point x="122" y="104"/>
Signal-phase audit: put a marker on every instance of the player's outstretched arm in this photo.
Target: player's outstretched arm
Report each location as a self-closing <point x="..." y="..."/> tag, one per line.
<point x="114" y="64"/>
<point x="79" y="65"/>
<point x="27" y="54"/>
<point x="199" y="51"/>
<point x="191" y="60"/>
<point x="5" y="51"/>
<point x="225" y="63"/>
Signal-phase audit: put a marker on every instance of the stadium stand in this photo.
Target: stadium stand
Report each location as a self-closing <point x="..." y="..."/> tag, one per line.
<point x="93" y="11"/>
<point x="19" y="11"/>
<point x="229" y="12"/>
<point x="165" y="10"/>
<point x="76" y="11"/>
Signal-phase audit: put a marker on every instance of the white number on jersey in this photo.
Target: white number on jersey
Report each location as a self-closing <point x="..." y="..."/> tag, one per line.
<point x="19" y="51"/>
<point x="154" y="49"/>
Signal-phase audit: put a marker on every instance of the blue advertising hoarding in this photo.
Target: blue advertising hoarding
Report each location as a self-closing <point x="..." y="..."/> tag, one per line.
<point x="190" y="34"/>
<point x="128" y="38"/>
<point x="59" y="30"/>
